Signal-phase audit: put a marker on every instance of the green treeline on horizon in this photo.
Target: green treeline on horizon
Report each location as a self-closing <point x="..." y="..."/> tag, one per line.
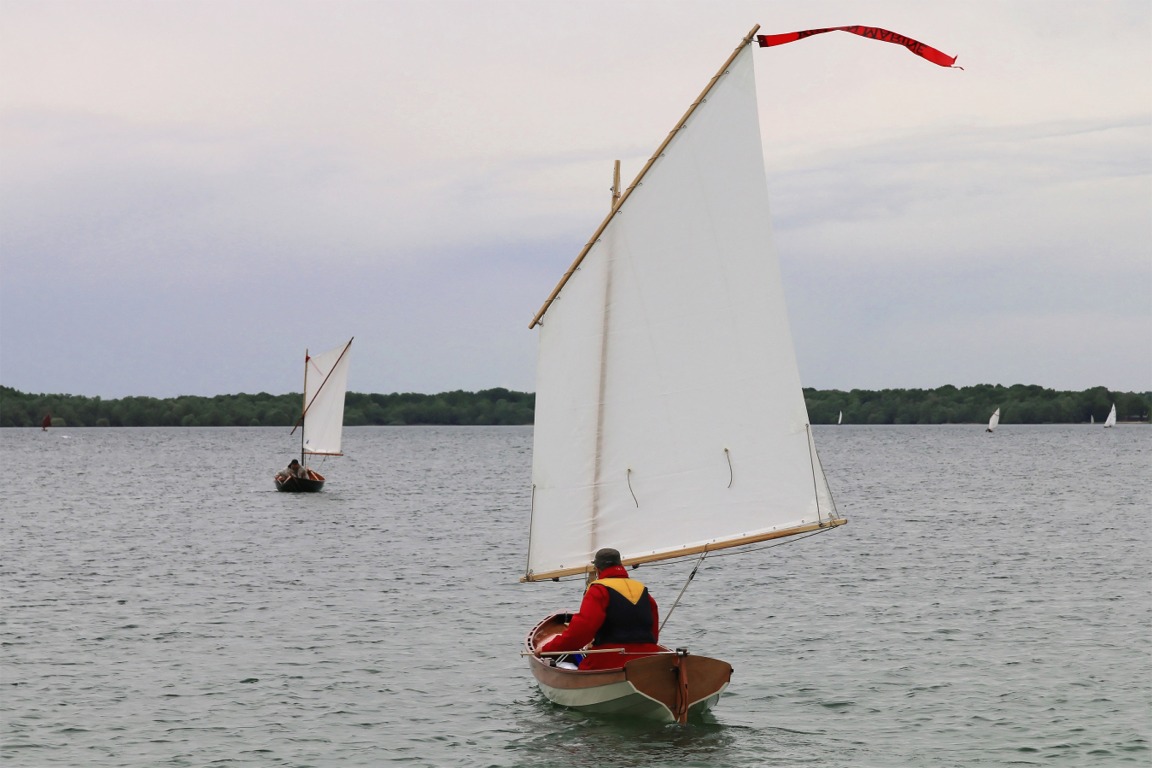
<point x="1018" y="404"/>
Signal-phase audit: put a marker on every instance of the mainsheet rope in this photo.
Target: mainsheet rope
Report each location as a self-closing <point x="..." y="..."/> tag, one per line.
<point x="700" y="561"/>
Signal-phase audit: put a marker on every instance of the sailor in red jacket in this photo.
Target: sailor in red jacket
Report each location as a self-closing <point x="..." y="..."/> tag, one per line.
<point x="617" y="612"/>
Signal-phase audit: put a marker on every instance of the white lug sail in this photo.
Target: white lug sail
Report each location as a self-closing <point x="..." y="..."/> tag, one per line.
<point x="669" y="409"/>
<point x="325" y="381"/>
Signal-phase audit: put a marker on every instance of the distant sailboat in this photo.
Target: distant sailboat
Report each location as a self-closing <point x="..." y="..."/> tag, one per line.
<point x="992" y="422"/>
<point x="1111" y="420"/>
<point x="47" y="422"/>
<point x="840" y="418"/>
<point x="1091" y="419"/>
<point x="321" y="422"/>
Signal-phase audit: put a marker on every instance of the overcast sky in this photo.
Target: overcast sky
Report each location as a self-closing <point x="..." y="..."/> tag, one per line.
<point x="192" y="193"/>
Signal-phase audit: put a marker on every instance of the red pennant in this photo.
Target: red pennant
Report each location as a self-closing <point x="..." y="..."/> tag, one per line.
<point x="875" y="33"/>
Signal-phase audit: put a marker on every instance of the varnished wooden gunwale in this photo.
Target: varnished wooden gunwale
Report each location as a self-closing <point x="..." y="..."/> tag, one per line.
<point x="311" y="484"/>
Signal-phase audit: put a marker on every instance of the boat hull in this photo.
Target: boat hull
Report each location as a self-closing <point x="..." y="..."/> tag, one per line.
<point x="672" y="686"/>
<point x="300" y="484"/>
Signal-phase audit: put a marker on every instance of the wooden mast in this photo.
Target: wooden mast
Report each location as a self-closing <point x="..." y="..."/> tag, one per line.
<point x="615" y="183"/>
<point x="618" y="203"/>
<point x="593" y="532"/>
<point x="303" y="413"/>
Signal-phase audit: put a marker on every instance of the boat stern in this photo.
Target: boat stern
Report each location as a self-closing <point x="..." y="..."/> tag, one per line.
<point x="667" y="687"/>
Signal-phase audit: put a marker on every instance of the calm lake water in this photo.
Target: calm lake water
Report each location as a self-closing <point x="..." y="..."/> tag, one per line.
<point x="987" y="605"/>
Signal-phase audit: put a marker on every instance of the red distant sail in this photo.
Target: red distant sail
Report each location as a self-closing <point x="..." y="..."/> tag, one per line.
<point x="46" y="423"/>
<point x="874" y="33"/>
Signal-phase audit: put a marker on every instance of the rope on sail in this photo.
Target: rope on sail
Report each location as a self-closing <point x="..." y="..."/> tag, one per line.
<point x="634" y="499"/>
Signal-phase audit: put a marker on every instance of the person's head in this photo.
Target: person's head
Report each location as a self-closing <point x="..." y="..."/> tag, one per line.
<point x="606" y="558"/>
<point x="294" y="463"/>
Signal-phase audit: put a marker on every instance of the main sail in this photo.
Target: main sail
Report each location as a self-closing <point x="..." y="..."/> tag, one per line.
<point x="669" y="412"/>
<point x="325" y="382"/>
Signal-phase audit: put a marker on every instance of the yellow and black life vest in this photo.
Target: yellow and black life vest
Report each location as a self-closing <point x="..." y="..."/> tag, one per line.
<point x="629" y="615"/>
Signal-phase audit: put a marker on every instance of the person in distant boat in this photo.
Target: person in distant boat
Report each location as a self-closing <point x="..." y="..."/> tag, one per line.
<point x="617" y="612"/>
<point x="294" y="469"/>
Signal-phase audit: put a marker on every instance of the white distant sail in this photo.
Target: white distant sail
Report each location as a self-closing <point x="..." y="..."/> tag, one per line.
<point x="1111" y="420"/>
<point x="840" y="418"/>
<point x="994" y="421"/>
<point x="669" y="411"/>
<point x="325" y="382"/>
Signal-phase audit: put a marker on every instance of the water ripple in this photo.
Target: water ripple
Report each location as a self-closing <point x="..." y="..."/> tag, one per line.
<point x="986" y="606"/>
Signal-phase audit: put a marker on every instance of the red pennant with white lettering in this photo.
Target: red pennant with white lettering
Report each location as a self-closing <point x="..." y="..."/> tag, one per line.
<point x="873" y="33"/>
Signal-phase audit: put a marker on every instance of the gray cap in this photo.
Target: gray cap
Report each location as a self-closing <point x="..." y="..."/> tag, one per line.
<point x="605" y="558"/>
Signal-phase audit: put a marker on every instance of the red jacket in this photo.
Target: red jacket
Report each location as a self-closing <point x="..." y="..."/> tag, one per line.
<point x="585" y="624"/>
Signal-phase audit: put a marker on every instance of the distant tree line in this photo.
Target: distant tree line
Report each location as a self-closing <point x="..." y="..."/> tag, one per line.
<point x="489" y="406"/>
<point x="1018" y="404"/>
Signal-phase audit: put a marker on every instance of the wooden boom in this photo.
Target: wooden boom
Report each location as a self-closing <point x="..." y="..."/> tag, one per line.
<point x="695" y="550"/>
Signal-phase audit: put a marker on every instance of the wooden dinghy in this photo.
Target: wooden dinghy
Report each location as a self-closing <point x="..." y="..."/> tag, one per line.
<point x="311" y="484"/>
<point x="321" y="421"/>
<point x="672" y="686"/>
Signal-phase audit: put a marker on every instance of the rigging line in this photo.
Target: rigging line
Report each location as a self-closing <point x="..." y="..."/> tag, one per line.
<point x="738" y="551"/>
<point x="814" y="458"/>
<point x="634" y="499"/>
<point x="731" y="475"/>
<point x="835" y="513"/>
<point x="780" y="543"/>
<point x="531" y="517"/>
<point x="812" y="462"/>
<point x="682" y="589"/>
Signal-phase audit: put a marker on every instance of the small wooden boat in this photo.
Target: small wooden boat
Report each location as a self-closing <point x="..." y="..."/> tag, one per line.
<point x="321" y="421"/>
<point x="311" y="484"/>
<point x="670" y="686"/>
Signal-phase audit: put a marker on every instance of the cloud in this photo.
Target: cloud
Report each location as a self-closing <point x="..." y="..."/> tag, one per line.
<point x="222" y="185"/>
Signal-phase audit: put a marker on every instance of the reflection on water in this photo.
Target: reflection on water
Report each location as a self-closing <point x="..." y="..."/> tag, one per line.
<point x="591" y="741"/>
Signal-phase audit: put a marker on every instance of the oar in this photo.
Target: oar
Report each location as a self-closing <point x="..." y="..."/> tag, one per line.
<point x="598" y="650"/>
<point x="569" y="653"/>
